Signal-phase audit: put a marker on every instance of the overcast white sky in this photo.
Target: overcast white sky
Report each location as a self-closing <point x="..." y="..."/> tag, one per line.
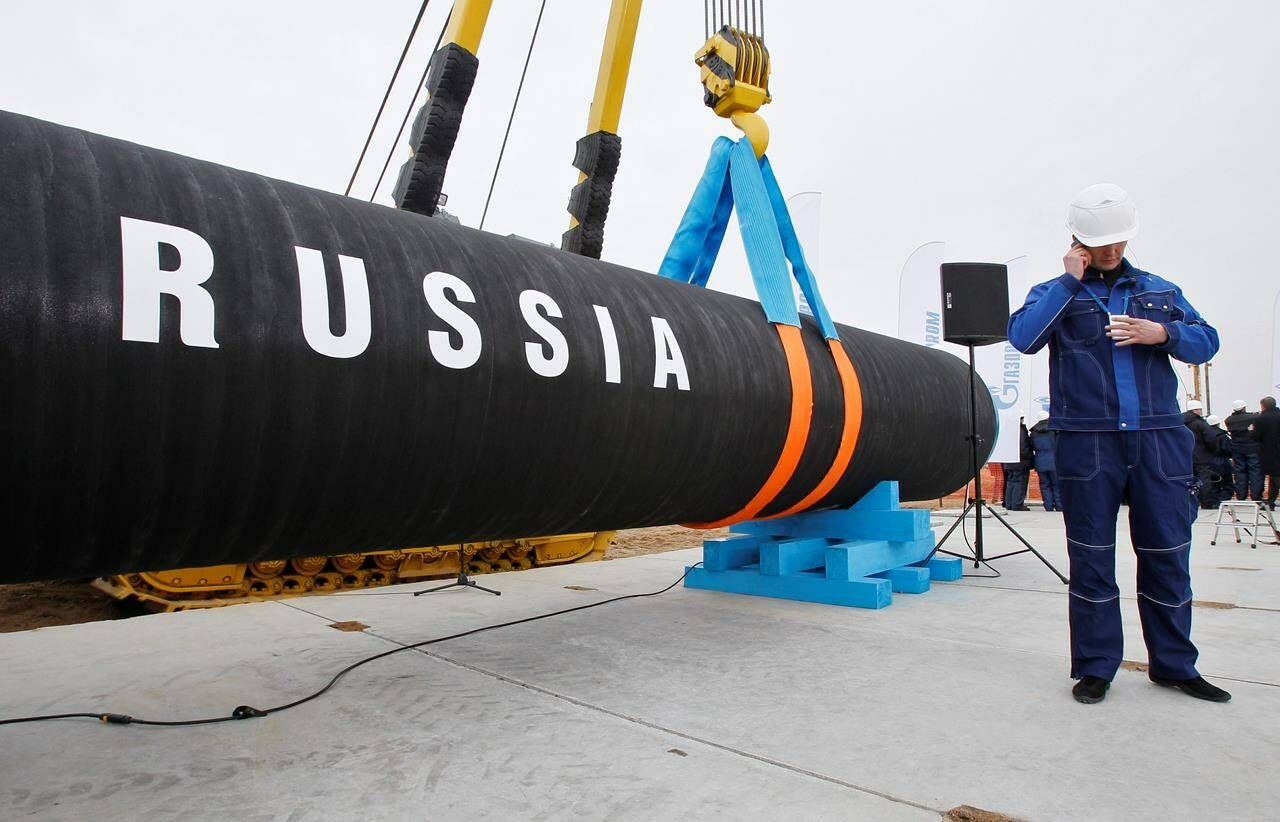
<point x="970" y="122"/>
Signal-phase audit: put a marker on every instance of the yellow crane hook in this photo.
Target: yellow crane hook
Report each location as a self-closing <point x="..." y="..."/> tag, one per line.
<point x="735" y="77"/>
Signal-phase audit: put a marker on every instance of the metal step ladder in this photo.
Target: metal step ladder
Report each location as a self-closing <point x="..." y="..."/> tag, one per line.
<point x="1247" y="516"/>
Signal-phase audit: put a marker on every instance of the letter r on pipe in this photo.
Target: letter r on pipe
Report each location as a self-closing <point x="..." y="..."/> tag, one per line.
<point x="145" y="281"/>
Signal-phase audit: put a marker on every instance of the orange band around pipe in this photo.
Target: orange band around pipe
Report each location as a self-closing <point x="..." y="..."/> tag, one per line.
<point x="848" y="437"/>
<point x="797" y="430"/>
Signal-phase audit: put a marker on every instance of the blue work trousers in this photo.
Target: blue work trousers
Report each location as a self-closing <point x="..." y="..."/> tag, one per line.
<point x="1152" y="469"/>
<point x="1049" y="490"/>
<point x="1248" y="471"/>
<point x="1015" y="487"/>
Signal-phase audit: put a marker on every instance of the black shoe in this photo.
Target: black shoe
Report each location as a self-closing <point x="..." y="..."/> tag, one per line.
<point x="1090" y="690"/>
<point x="1019" y="508"/>
<point x="1197" y="687"/>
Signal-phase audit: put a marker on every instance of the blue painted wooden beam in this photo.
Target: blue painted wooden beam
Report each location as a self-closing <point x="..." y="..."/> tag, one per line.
<point x="791" y="556"/>
<point x="806" y="587"/>
<point x="903" y="525"/>
<point x="945" y="569"/>
<point x="864" y="557"/>
<point x="883" y="497"/>
<point x="911" y="579"/>
<point x="734" y="552"/>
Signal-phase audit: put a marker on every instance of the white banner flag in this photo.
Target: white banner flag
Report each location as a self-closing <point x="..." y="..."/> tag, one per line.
<point x="1036" y="365"/>
<point x="1037" y="383"/>
<point x="920" y="298"/>
<point x="1001" y="367"/>
<point x="806" y="216"/>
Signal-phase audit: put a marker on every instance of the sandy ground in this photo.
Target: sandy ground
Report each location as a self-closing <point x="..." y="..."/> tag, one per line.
<point x="69" y="602"/>
<point x="61" y="602"/>
<point x="639" y="541"/>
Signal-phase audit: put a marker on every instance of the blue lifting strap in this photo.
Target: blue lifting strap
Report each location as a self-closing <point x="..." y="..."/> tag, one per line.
<point x="734" y="177"/>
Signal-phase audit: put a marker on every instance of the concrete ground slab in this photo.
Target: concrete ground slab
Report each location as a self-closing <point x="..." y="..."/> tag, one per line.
<point x="691" y="704"/>
<point x="413" y="738"/>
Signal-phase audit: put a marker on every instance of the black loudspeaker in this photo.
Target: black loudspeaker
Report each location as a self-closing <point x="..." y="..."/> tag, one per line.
<point x="975" y="303"/>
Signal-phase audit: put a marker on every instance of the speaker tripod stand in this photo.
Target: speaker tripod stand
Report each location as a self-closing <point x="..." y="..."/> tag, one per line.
<point x="463" y="581"/>
<point x="978" y="504"/>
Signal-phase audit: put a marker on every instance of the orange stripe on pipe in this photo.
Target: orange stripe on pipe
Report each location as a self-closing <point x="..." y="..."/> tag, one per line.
<point x="848" y="437"/>
<point x="797" y="429"/>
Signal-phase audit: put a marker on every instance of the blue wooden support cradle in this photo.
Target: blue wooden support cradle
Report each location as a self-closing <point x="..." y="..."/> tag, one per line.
<point x="858" y="556"/>
<point x="855" y="556"/>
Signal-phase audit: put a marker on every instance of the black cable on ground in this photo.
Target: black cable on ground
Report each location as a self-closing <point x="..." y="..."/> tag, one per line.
<point x="386" y="94"/>
<point x="247" y="712"/>
<point x="413" y="103"/>
<point x="511" y="118"/>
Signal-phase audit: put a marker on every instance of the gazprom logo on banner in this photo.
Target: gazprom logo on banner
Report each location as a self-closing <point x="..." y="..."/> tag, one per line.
<point x="932" y="328"/>
<point x="1007" y="394"/>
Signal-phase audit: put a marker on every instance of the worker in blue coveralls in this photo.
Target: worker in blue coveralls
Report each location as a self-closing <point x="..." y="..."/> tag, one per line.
<point x="1111" y="329"/>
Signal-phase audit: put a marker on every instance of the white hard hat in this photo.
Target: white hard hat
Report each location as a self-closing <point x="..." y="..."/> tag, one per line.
<point x="1195" y="405"/>
<point x="1041" y="415"/>
<point x="1238" y="405"/>
<point x="1102" y="214"/>
<point x="1213" y="419"/>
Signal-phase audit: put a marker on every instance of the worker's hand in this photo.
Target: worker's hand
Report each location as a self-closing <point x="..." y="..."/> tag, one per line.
<point x="1076" y="261"/>
<point x="1134" y="331"/>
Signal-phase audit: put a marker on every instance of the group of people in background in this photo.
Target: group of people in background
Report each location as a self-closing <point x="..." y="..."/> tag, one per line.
<point x="1235" y="458"/>
<point x="1036" y="450"/>
<point x="1241" y="462"/>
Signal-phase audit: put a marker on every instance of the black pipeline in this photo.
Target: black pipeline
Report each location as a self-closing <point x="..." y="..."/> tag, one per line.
<point x="201" y="365"/>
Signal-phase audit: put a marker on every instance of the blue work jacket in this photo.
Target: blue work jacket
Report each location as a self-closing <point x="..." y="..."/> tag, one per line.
<point x="1045" y="442"/>
<point x="1093" y="385"/>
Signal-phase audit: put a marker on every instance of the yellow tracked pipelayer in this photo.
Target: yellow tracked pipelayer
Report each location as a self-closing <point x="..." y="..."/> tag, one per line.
<point x="216" y="585"/>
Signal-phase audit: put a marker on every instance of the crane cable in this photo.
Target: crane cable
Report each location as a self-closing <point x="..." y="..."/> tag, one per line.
<point x="511" y="118"/>
<point x="386" y="94"/>
<point x="422" y="82"/>
<point x="744" y="15"/>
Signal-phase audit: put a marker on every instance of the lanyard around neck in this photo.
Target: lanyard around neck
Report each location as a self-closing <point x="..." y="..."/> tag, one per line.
<point x="1101" y="304"/>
